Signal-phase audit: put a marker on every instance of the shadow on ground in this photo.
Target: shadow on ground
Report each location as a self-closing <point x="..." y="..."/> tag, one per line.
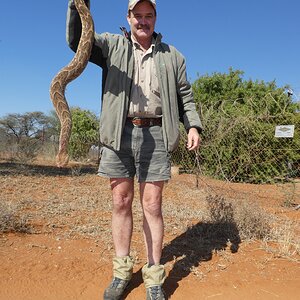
<point x="13" y="168"/>
<point x="196" y="245"/>
<point x="188" y="250"/>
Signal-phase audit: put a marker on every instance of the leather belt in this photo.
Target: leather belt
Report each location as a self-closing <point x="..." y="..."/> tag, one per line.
<point x="145" y="122"/>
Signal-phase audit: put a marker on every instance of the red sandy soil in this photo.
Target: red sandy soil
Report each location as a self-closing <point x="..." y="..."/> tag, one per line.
<point x="48" y="265"/>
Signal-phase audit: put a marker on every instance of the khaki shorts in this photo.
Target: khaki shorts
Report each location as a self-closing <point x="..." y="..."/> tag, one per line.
<point x="142" y="153"/>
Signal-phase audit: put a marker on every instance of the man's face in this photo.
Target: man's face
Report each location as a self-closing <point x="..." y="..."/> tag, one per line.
<point x="142" y="21"/>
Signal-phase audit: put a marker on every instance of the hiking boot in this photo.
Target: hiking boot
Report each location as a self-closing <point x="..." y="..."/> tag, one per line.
<point x="122" y="273"/>
<point x="116" y="289"/>
<point x="155" y="292"/>
<point x="154" y="277"/>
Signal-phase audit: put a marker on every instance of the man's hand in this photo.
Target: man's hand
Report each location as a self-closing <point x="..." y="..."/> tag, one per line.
<point x="193" y="142"/>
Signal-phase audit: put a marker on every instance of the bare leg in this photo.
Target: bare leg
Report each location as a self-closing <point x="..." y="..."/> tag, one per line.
<point x="122" y="194"/>
<point x="153" y="225"/>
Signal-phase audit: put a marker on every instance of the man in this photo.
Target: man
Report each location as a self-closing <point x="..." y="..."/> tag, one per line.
<point x="145" y="93"/>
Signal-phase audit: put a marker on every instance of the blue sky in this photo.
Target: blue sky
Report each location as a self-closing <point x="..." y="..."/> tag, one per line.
<point x="259" y="37"/>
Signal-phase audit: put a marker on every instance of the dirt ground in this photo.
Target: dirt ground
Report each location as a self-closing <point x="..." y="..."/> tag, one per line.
<point x="65" y="249"/>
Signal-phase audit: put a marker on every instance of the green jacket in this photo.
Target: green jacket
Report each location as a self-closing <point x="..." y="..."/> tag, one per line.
<point x="114" y="54"/>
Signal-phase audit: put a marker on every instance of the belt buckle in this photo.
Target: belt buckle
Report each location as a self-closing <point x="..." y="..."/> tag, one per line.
<point x="133" y="119"/>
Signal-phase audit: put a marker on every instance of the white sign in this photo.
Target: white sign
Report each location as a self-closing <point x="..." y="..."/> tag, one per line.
<point x="284" y="131"/>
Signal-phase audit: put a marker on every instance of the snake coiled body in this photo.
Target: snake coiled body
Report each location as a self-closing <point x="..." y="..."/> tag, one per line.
<point x="66" y="75"/>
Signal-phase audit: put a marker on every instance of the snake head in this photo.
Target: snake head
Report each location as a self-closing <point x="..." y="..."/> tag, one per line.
<point x="62" y="159"/>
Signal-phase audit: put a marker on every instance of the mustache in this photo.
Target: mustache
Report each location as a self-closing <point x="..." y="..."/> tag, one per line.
<point x="143" y="26"/>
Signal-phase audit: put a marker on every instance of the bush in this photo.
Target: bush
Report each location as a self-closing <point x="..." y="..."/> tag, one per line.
<point x="85" y="133"/>
<point x="11" y="221"/>
<point x="28" y="149"/>
<point x="239" y="119"/>
<point x="250" y="221"/>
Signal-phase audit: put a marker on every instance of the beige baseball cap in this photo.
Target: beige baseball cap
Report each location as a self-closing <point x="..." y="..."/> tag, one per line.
<point x="133" y="3"/>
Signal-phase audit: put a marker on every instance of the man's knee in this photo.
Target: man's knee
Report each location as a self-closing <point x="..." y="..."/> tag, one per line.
<point x="153" y="207"/>
<point x="122" y="202"/>
<point x="122" y="194"/>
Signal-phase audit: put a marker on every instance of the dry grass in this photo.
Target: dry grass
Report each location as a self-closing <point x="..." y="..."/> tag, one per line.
<point x="251" y="222"/>
<point x="75" y="202"/>
<point x="287" y="242"/>
<point x="248" y="220"/>
<point x="13" y="220"/>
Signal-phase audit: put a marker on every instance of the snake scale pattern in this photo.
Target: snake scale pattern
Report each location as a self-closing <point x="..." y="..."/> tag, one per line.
<point x="68" y="74"/>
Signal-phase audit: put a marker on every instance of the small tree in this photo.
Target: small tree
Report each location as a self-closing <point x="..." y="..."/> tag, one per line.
<point x="24" y="133"/>
<point x="85" y="132"/>
<point x="30" y="124"/>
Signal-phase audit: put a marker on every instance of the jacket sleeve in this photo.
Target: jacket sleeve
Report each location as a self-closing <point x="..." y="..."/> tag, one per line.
<point x="186" y="104"/>
<point x="73" y="33"/>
